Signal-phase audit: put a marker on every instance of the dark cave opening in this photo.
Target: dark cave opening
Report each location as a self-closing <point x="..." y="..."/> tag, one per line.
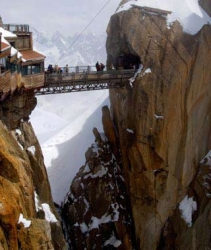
<point x="127" y="61"/>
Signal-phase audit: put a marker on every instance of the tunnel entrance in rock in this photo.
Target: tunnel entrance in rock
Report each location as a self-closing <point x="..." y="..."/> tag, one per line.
<point x="127" y="61"/>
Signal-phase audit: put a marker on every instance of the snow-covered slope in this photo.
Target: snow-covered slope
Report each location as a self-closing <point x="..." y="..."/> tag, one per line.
<point x="63" y="124"/>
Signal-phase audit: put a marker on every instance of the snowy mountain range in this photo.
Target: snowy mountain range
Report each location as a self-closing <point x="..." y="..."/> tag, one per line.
<point x="84" y="49"/>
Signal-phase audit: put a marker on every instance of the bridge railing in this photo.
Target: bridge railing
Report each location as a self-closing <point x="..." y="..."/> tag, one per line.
<point x="89" y="75"/>
<point x="79" y="69"/>
<point x="76" y="69"/>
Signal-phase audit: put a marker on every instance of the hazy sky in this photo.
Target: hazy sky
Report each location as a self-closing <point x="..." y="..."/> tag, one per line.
<point x="68" y="16"/>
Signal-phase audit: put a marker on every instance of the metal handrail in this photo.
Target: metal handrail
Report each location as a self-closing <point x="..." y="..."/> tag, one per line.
<point x="83" y="69"/>
<point x="75" y="69"/>
<point x="71" y="75"/>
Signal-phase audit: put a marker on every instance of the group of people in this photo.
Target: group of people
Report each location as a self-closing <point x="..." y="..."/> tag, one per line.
<point x="55" y="69"/>
<point x="99" y="66"/>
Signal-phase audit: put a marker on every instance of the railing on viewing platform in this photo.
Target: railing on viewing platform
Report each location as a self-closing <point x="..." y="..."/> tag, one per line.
<point x="84" y="69"/>
<point x="92" y="77"/>
<point x="17" y="28"/>
<point x="76" y="69"/>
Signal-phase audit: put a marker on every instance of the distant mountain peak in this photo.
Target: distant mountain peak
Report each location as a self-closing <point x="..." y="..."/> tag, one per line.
<point x="81" y="50"/>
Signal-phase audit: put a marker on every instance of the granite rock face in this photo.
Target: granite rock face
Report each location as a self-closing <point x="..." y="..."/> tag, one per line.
<point x="163" y="124"/>
<point x="28" y="218"/>
<point x="17" y="107"/>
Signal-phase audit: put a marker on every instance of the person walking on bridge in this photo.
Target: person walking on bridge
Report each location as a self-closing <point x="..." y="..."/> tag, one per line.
<point x="66" y="70"/>
<point x="102" y="66"/>
<point x="97" y="66"/>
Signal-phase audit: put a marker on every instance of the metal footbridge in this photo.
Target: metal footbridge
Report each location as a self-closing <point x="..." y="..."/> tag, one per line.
<point x="84" y="81"/>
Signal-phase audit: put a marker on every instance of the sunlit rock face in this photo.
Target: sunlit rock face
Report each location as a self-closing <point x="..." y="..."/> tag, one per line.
<point x="163" y="123"/>
<point x="28" y="219"/>
<point x="17" y="107"/>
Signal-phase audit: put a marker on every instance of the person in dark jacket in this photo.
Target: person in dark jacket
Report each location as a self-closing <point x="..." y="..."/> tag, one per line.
<point x="102" y="66"/>
<point x="66" y="69"/>
<point x="97" y="66"/>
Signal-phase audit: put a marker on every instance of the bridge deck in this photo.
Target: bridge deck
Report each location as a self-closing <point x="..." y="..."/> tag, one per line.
<point x="85" y="81"/>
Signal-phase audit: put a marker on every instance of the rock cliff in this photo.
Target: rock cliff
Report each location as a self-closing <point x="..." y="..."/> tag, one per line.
<point x="206" y="6"/>
<point x="163" y="123"/>
<point x="28" y="218"/>
<point x="157" y="139"/>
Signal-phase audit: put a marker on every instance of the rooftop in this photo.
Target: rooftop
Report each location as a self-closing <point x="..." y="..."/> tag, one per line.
<point x="4" y="46"/>
<point x="29" y="55"/>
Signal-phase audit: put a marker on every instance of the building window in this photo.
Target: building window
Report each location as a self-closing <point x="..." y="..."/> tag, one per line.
<point x="33" y="69"/>
<point x="13" y="67"/>
<point x="3" y="61"/>
<point x="2" y="65"/>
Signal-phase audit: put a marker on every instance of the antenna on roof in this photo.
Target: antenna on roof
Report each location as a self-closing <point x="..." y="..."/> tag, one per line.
<point x="1" y="22"/>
